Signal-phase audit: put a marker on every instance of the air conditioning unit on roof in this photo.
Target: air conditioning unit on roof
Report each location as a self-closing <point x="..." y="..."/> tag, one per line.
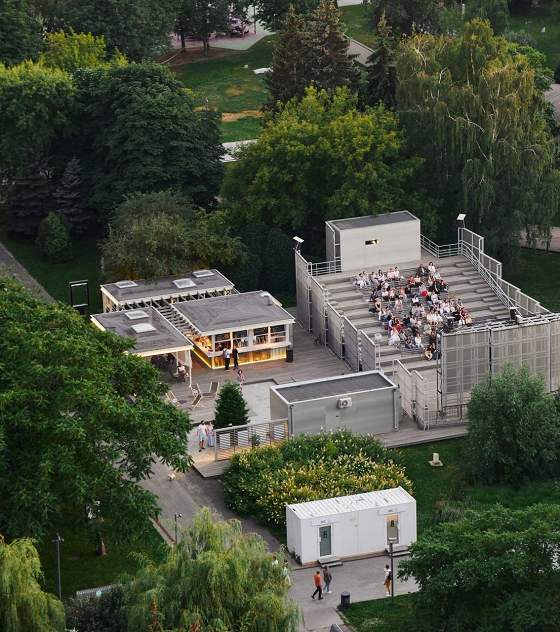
<point x="345" y="402"/>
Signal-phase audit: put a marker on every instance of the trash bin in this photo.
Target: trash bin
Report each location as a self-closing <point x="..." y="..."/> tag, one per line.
<point x="290" y="354"/>
<point x="344" y="600"/>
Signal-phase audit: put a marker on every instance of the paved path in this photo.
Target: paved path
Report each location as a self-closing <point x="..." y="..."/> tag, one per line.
<point x="349" y="3"/>
<point x="553" y="95"/>
<point x="11" y="267"/>
<point x="361" y="51"/>
<point x="555" y="240"/>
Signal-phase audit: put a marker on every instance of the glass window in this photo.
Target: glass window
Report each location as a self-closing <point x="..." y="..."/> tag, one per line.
<point x="278" y="333"/>
<point x="261" y="335"/>
<point x="241" y="338"/>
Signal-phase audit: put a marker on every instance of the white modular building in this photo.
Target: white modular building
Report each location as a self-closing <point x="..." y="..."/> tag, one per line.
<point x="367" y="402"/>
<point x="374" y="241"/>
<point x="350" y="526"/>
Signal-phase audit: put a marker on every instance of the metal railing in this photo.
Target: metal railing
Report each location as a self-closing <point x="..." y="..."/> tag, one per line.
<point x="447" y="250"/>
<point x="235" y="439"/>
<point x="324" y="267"/>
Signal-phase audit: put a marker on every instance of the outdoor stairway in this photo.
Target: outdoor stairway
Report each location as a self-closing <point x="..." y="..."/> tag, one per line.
<point x="463" y="282"/>
<point x="175" y="318"/>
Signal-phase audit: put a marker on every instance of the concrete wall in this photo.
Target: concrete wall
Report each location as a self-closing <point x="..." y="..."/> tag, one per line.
<point x="371" y="412"/>
<point x="356" y="533"/>
<point x="397" y="243"/>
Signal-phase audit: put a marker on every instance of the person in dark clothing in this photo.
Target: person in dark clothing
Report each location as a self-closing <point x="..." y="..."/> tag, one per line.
<point x="235" y="356"/>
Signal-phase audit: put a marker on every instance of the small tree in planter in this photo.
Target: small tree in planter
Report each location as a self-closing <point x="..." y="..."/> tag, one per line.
<point x="231" y="408"/>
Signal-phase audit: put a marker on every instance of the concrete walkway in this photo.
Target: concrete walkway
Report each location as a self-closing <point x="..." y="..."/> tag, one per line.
<point x="9" y="266"/>
<point x="361" y="51"/>
<point x="553" y="95"/>
<point x="555" y="239"/>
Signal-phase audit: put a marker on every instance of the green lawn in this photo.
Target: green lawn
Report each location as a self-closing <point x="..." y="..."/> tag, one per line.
<point x="538" y="275"/>
<point x="357" y="24"/>
<point x="81" y="568"/>
<point x="54" y="277"/>
<point x="547" y="42"/>
<point x="232" y="88"/>
<point x="382" y="615"/>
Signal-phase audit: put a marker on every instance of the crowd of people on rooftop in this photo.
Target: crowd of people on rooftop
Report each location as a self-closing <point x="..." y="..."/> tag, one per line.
<point x="413" y="309"/>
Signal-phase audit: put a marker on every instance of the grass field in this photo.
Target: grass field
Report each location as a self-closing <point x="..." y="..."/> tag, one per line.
<point x="54" y="277"/>
<point x="357" y="24"/>
<point x="382" y="615"/>
<point x="229" y="84"/>
<point x="81" y="568"/>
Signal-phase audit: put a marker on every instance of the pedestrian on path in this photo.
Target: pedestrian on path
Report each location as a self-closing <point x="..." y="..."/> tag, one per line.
<point x="327" y="576"/>
<point x="235" y="356"/>
<point x="226" y="354"/>
<point x="388" y="580"/>
<point x="240" y="377"/>
<point x="287" y="578"/>
<point x="201" y="434"/>
<point x="318" y="585"/>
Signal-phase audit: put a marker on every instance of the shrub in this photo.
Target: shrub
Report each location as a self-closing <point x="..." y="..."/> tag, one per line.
<point x="261" y="482"/>
<point x="53" y="238"/>
<point x="557" y="74"/>
<point x="514" y="430"/>
<point x="231" y="409"/>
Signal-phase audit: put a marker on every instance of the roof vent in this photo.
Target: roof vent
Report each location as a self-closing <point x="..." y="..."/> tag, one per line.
<point x="184" y="283"/>
<point x="136" y="314"/>
<point x="143" y="328"/>
<point x="201" y="274"/>
<point x="124" y="284"/>
<point x="269" y="298"/>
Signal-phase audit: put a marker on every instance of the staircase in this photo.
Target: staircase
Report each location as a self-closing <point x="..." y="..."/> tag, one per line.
<point x="463" y="282"/>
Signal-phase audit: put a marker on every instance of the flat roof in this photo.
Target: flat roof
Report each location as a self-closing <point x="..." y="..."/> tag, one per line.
<point x="147" y="327"/>
<point x="194" y="283"/>
<point x="374" y="220"/>
<point x="233" y="312"/>
<point x="349" y="504"/>
<point x="332" y="386"/>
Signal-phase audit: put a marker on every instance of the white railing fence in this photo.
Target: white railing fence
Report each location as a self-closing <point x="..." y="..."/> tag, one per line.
<point x="235" y="439"/>
<point x="447" y="250"/>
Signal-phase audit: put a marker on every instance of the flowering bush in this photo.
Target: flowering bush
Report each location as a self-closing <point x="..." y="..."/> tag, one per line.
<point x="261" y="482"/>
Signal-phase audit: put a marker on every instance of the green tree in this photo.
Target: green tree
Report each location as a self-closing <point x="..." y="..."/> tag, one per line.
<point x="160" y="234"/>
<point x="288" y="77"/>
<point x="20" y="32"/>
<point x="495" y="11"/>
<point x="36" y="104"/>
<point x="70" y="51"/>
<point x="53" y="239"/>
<point x="328" y="63"/>
<point x="514" y="430"/>
<point x="82" y="420"/>
<point x="494" y="570"/>
<point x="201" y="18"/>
<point x="70" y="198"/>
<point x="231" y="408"/>
<point x="137" y="28"/>
<point x="381" y="70"/>
<point x="28" y="200"/>
<point x="320" y="159"/>
<point x="96" y="614"/>
<point x="143" y="133"/>
<point x="217" y="578"/>
<point x="471" y="109"/>
<point x="273" y="12"/>
<point x="406" y="16"/>
<point x="24" y="606"/>
<point x="278" y="274"/>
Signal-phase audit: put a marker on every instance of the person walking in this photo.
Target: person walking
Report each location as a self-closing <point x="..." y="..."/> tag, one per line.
<point x="235" y="356"/>
<point x="327" y="576"/>
<point x="318" y="585"/>
<point x="226" y="354"/>
<point x="210" y="436"/>
<point x="240" y="377"/>
<point x="201" y="434"/>
<point x="388" y="580"/>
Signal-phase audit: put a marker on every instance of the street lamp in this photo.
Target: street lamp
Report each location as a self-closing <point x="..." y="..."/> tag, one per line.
<point x="176" y="517"/>
<point x="392" y="541"/>
<point x="58" y="540"/>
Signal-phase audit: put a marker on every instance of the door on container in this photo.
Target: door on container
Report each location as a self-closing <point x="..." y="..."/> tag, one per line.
<point x="393" y="529"/>
<point x="325" y="545"/>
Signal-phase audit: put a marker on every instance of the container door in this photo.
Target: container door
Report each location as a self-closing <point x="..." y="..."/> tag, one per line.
<point x="393" y="529"/>
<point x="325" y="546"/>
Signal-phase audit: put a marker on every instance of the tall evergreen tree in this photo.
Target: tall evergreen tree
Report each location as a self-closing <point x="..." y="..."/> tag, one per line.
<point x="70" y="198"/>
<point x="289" y="75"/>
<point x="381" y="70"/>
<point x="231" y="409"/>
<point x="330" y="66"/>
<point x="23" y="604"/>
<point x="29" y="201"/>
<point x="407" y="16"/>
<point x="20" y="32"/>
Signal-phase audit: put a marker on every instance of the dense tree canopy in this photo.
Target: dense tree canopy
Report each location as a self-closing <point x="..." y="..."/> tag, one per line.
<point x="20" y="32"/>
<point x="497" y="570"/>
<point x="406" y="16"/>
<point x="24" y="606"/>
<point x="381" y="69"/>
<point x="201" y="18"/>
<point x="495" y="11"/>
<point x="217" y="578"/>
<point x="514" y="430"/>
<point x="160" y="234"/>
<point x="81" y="420"/>
<point x="272" y="12"/>
<point x="319" y="159"/>
<point x="143" y="133"/>
<point x="471" y="109"/>
<point x="137" y="28"/>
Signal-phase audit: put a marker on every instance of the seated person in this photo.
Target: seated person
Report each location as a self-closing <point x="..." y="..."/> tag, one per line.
<point x="421" y="270"/>
<point x="397" y="273"/>
<point x="398" y="303"/>
<point x="407" y="319"/>
<point x="423" y="290"/>
<point x="431" y="268"/>
<point x="429" y="352"/>
<point x="418" y="340"/>
<point x="394" y="338"/>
